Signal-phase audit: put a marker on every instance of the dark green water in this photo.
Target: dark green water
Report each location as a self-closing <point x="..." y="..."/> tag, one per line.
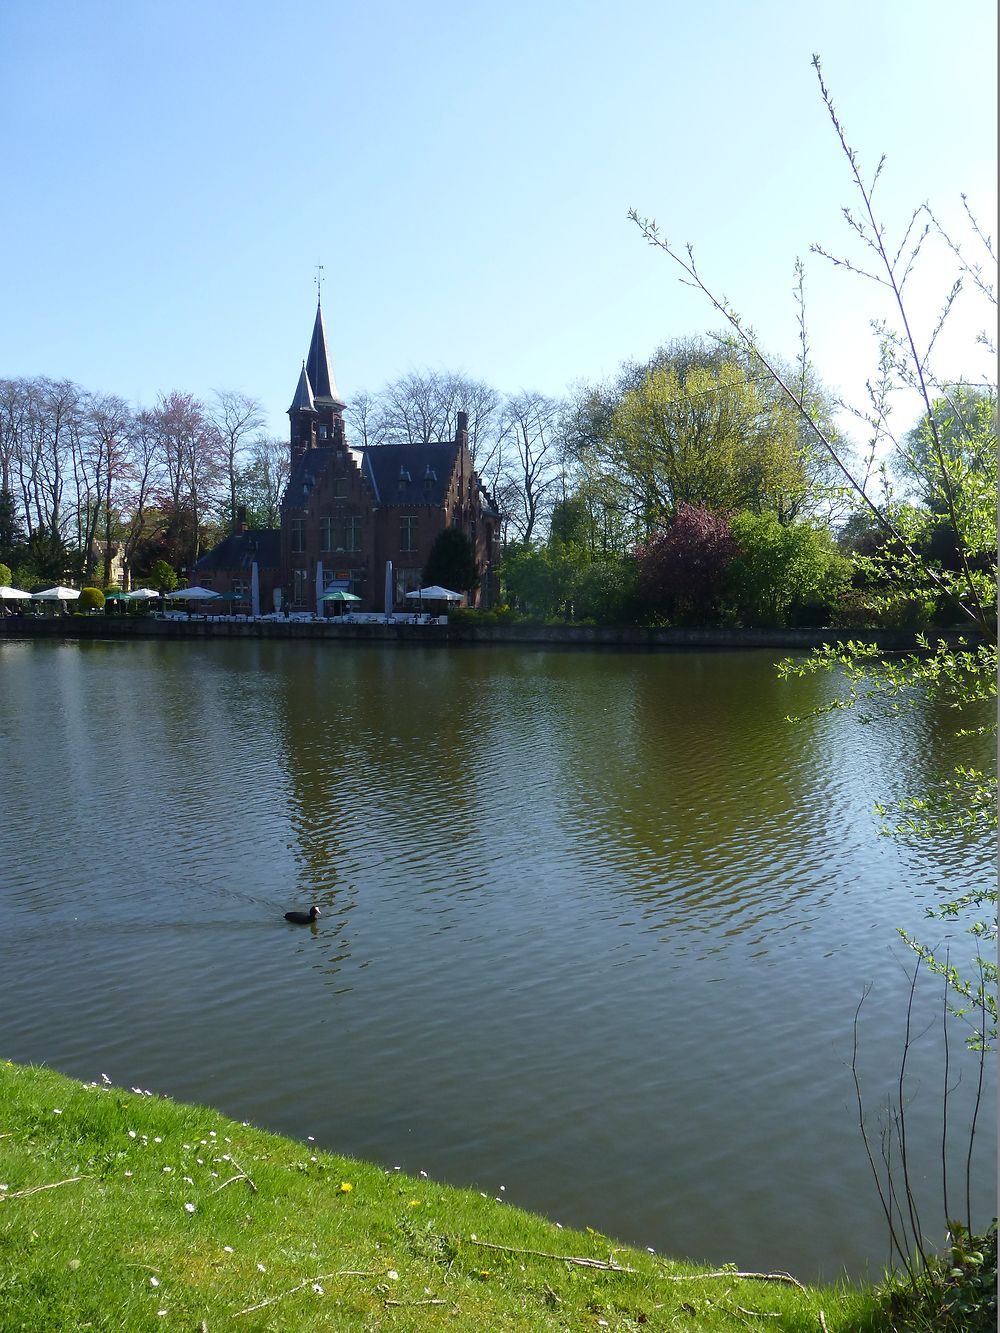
<point x="594" y="926"/>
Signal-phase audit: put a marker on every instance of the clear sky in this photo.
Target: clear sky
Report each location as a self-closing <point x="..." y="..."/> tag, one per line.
<point x="175" y="170"/>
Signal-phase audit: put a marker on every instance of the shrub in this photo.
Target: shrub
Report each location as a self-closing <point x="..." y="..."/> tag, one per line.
<point x="779" y="566"/>
<point x="90" y="599"/>
<point x="682" y="568"/>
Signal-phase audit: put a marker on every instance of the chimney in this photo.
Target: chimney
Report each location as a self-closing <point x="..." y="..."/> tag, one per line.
<point x="241" y="519"/>
<point x="462" y="431"/>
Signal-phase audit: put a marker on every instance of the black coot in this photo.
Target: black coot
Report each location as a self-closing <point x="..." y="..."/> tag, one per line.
<point x="303" y="918"/>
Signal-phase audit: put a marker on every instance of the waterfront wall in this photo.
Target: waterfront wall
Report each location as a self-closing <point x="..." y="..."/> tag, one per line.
<point x="564" y="636"/>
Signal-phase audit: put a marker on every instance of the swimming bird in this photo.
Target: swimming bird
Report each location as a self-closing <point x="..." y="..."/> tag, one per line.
<point x="303" y="918"/>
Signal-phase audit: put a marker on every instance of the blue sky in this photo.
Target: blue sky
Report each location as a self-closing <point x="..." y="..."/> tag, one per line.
<point x="176" y="170"/>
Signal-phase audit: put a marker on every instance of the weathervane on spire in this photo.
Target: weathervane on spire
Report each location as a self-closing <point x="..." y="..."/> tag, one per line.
<point x="319" y="281"/>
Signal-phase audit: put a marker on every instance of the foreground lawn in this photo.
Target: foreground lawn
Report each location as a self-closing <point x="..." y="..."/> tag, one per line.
<point x="120" y="1210"/>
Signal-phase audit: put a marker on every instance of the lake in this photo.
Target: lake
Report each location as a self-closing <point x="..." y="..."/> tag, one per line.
<point x="594" y="925"/>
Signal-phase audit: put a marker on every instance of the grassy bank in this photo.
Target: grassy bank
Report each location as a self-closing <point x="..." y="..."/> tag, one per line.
<point x="120" y="1210"/>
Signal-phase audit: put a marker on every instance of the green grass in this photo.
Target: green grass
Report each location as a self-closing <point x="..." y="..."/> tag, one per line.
<point x="149" y="1214"/>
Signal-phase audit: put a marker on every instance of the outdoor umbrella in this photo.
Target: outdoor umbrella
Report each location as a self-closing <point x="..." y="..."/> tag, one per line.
<point x="115" y="596"/>
<point x="143" y="595"/>
<point x="434" y="594"/>
<point x="194" y="594"/>
<point x="339" y="596"/>
<point x="9" y="594"/>
<point x="57" y="594"/>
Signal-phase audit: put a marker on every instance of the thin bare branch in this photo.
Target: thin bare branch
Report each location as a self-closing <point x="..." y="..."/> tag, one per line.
<point x="35" y="1189"/>
<point x="322" y="1277"/>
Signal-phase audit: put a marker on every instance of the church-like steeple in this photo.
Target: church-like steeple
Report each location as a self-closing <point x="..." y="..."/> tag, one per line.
<point x="324" y="386"/>
<point x="303" y="400"/>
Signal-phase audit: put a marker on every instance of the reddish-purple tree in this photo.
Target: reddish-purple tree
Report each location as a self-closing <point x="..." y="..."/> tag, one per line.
<point x="682" y="567"/>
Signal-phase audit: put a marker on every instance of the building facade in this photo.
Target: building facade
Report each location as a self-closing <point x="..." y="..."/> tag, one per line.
<point x="348" y="511"/>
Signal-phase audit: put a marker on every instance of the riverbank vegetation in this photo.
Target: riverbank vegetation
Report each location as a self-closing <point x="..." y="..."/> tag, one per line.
<point x="937" y="546"/>
<point x="123" y="1210"/>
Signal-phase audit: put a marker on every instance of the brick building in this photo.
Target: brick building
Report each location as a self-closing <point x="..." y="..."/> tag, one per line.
<point x="351" y="510"/>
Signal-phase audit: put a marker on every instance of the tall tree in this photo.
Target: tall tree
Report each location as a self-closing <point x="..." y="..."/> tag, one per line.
<point x="193" y="459"/>
<point x="529" y="436"/>
<point x="262" y="480"/>
<point x="236" y="417"/>
<point x="704" y="436"/>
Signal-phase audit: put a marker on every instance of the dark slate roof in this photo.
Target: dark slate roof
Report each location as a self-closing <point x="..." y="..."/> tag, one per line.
<point x="324" y="386"/>
<point x="399" y="474"/>
<point x="303" y="400"/>
<point x="411" y="473"/>
<point x="240" y="550"/>
<point x="305" y="472"/>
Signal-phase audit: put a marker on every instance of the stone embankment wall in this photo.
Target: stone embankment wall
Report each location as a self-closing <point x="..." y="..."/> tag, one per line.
<point x="565" y="636"/>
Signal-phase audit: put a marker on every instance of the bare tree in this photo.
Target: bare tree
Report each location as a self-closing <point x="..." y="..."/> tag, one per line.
<point x="141" y="478"/>
<point x="262" y="481"/>
<point x="529" y="431"/>
<point x="105" y="461"/>
<point x="193" y="461"/>
<point x="365" y="419"/>
<point x="235" y="417"/>
<point x="43" y="454"/>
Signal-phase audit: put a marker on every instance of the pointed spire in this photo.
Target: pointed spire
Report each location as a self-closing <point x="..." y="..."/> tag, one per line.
<point x="303" y="400"/>
<point x="318" y="363"/>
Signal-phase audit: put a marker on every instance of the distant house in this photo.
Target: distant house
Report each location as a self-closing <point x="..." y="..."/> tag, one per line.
<point x="351" y="510"/>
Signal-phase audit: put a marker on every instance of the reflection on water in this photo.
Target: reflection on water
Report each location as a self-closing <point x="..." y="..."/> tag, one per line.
<point x="594" y="925"/>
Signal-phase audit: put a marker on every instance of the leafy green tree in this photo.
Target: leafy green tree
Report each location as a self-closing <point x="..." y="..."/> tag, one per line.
<point x="6" y="577"/>
<point x="163" y="576"/>
<point x="966" y="421"/>
<point x="777" y="566"/>
<point x="706" y="437"/>
<point x="12" y="537"/>
<point x="536" y="580"/>
<point x="451" y="562"/>
<point x="605" y="590"/>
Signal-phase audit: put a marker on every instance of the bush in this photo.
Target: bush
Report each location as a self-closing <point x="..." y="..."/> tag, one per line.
<point x="90" y="599"/>
<point x="682" y="569"/>
<point x="780" y="566"/>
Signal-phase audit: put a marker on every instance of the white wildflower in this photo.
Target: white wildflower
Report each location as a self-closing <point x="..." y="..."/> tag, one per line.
<point x="392" y="1275"/>
<point x="154" y="1281"/>
<point x="189" y="1207"/>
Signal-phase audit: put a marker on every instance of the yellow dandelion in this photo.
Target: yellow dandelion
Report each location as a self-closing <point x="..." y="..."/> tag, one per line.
<point x="346" y="1187"/>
